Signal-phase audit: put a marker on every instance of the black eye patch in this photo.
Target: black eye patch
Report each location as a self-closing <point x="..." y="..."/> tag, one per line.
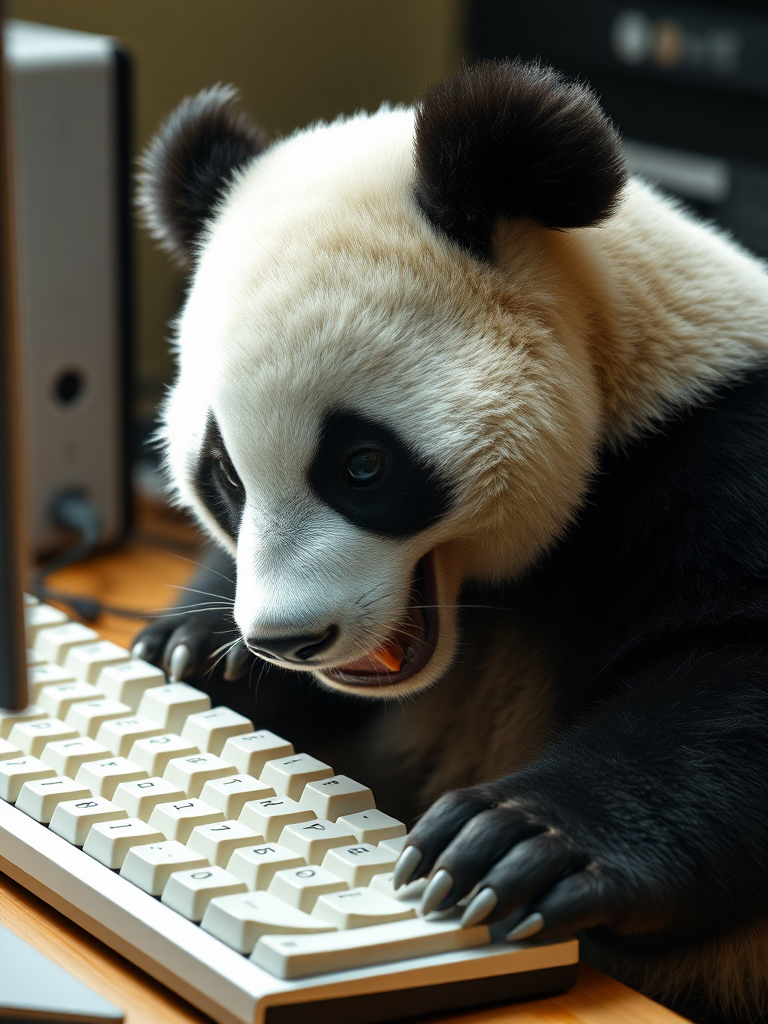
<point x="363" y="471"/>
<point x="216" y="481"/>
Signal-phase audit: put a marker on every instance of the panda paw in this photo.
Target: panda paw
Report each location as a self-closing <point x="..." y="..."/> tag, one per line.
<point x="188" y="644"/>
<point x="472" y="839"/>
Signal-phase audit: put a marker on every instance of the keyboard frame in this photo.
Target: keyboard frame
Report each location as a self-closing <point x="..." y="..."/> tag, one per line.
<point x="233" y="990"/>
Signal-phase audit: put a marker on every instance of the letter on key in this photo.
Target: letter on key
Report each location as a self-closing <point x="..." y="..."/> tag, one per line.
<point x="315" y="838"/>
<point x="251" y="750"/>
<point x="330" y="798"/>
<point x="210" y="730"/>
<point x="152" y="865"/>
<point x="270" y="816"/>
<point x="357" y="908"/>
<point x="289" y="775"/>
<point x="241" y="920"/>
<point x="189" y="892"/>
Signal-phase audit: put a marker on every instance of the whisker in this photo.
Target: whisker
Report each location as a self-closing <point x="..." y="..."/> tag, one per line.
<point x="205" y="593"/>
<point x="202" y="565"/>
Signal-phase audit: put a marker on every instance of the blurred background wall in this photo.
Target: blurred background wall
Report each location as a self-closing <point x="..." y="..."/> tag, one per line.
<point x="294" y="61"/>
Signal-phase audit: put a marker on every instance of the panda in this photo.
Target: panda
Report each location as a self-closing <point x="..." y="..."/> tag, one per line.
<point x="479" y="425"/>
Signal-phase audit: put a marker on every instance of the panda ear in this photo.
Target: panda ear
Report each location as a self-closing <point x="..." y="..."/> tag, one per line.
<point x="510" y="139"/>
<point x="189" y="164"/>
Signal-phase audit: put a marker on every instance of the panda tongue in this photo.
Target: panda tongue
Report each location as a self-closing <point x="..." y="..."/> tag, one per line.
<point x="391" y="655"/>
<point x="389" y="658"/>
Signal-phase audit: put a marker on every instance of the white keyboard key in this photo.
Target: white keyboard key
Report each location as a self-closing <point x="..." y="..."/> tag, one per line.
<point x="119" y="734"/>
<point x="171" y="705"/>
<point x="289" y="775"/>
<point x="55" y="642"/>
<point x="152" y="865"/>
<point x="142" y="796"/>
<point x="155" y="752"/>
<point x="9" y="718"/>
<point x="410" y="893"/>
<point x="219" y="840"/>
<point x="190" y="892"/>
<point x="372" y="826"/>
<point x="39" y="799"/>
<point x="39" y="616"/>
<point x="358" y="908"/>
<point x="15" y="772"/>
<point x="87" y="660"/>
<point x="394" y="845"/>
<point x="68" y="756"/>
<point x="210" y="730"/>
<point x="30" y="599"/>
<point x="271" y="815"/>
<point x="192" y="773"/>
<point x="257" y="865"/>
<point x="251" y="751"/>
<point x="128" y="680"/>
<point x="110" y="841"/>
<point x="103" y="777"/>
<point x="9" y="750"/>
<point x="241" y="920"/>
<point x="87" y="716"/>
<point x="45" y="675"/>
<point x="313" y="839"/>
<point x="58" y="697"/>
<point x="232" y="793"/>
<point x="300" y="887"/>
<point x="73" y="819"/>
<point x="338" y="951"/>
<point x="330" y="798"/>
<point x="33" y="736"/>
<point x="33" y="658"/>
<point x="357" y="865"/>
<point x="177" y="819"/>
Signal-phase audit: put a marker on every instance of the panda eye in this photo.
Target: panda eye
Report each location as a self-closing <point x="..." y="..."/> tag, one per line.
<point x="228" y="475"/>
<point x="365" y="467"/>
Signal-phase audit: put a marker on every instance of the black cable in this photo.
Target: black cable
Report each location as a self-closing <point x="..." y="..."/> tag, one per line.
<point x="74" y="512"/>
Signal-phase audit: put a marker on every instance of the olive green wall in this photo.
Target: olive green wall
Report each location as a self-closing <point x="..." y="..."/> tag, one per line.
<point x="293" y="60"/>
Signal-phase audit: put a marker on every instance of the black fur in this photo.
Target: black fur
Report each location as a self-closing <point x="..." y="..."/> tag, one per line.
<point x="654" y="610"/>
<point x="410" y="495"/>
<point x="213" y="478"/>
<point x="189" y="164"/>
<point x="508" y="139"/>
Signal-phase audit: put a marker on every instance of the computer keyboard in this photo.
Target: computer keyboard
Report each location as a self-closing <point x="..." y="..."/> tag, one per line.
<point x="247" y="876"/>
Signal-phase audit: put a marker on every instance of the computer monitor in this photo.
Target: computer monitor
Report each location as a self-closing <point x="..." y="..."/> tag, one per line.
<point x="13" y="672"/>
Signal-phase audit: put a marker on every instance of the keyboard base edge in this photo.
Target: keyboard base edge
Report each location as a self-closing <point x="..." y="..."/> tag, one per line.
<point x="375" y="1008"/>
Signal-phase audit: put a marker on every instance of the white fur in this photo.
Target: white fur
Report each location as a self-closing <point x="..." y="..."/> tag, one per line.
<point x="321" y="284"/>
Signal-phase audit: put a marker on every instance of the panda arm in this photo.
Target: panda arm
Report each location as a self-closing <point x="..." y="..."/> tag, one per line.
<point x="646" y="815"/>
<point x="200" y="622"/>
<point x="648" y="811"/>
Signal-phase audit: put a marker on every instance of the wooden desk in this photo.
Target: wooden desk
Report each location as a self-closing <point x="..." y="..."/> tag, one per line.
<point x="142" y="575"/>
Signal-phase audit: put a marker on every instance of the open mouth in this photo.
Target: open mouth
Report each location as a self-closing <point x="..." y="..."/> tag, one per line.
<point x="411" y="644"/>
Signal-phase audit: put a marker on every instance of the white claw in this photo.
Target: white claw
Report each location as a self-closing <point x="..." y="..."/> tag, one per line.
<point x="436" y="891"/>
<point x="480" y="907"/>
<point x="527" y="928"/>
<point x="179" y="662"/>
<point x="409" y="860"/>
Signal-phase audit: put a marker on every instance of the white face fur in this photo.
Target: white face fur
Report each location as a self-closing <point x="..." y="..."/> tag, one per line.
<point x="322" y="290"/>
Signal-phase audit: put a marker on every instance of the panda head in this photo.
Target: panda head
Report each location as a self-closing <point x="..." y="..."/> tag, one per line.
<point x="383" y="389"/>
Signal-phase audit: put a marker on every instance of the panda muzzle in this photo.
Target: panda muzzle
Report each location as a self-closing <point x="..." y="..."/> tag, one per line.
<point x="410" y="645"/>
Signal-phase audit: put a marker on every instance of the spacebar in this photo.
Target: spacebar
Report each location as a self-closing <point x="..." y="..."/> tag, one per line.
<point x="297" y="956"/>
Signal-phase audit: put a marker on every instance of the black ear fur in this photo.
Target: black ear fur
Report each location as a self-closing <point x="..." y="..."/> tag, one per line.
<point x="189" y="163"/>
<point x="510" y="139"/>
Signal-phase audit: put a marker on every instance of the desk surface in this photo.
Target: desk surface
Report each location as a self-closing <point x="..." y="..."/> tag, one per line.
<point x="143" y="575"/>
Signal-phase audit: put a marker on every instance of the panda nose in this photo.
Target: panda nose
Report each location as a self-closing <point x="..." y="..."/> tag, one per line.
<point x="293" y="648"/>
